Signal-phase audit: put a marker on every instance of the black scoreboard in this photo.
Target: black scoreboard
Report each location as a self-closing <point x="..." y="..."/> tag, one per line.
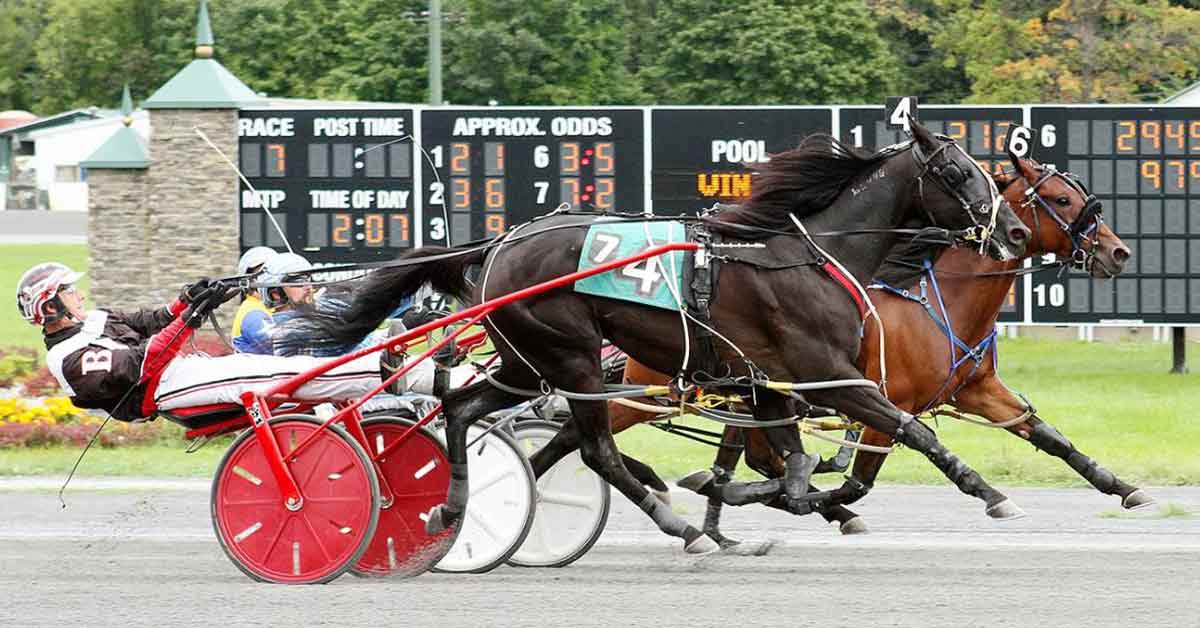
<point x="699" y="154"/>
<point x="1143" y="163"/>
<point x="365" y="184"/>
<point x="981" y="131"/>
<point x="491" y="168"/>
<point x="339" y="182"/>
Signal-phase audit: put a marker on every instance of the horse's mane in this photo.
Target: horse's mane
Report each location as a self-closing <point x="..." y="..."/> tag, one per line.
<point x="801" y="181"/>
<point x="905" y="263"/>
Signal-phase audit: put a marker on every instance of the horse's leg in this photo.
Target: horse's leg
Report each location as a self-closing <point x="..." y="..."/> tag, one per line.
<point x="622" y="417"/>
<point x="463" y="407"/>
<point x="760" y="457"/>
<point x="600" y="453"/>
<point x="648" y="477"/>
<point x="793" y="476"/>
<point x="989" y="398"/>
<point x="798" y="466"/>
<point x="721" y="472"/>
<point x="589" y="429"/>
<point x="870" y="407"/>
<point x="841" y="460"/>
<point x="567" y="441"/>
<point x="848" y="521"/>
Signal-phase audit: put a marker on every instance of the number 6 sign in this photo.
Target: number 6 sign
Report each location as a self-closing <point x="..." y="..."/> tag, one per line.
<point x="1018" y="142"/>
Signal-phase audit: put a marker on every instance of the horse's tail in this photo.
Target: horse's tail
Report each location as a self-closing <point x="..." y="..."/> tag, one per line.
<point x="342" y="321"/>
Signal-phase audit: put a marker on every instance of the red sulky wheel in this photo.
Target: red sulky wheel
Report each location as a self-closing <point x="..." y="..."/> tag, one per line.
<point x="418" y="474"/>
<point x="322" y="539"/>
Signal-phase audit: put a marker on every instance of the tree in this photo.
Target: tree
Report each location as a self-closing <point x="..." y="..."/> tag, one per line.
<point x="278" y="47"/>
<point x="21" y="21"/>
<point x="90" y="48"/>
<point x="769" y="52"/>
<point x="1064" y="50"/>
<point x="334" y="49"/>
<point x="924" y="69"/>
<point x="538" y="52"/>
<point x="385" y="52"/>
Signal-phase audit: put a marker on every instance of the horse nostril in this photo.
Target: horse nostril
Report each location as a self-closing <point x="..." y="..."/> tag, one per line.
<point x="1121" y="254"/>
<point x="1018" y="234"/>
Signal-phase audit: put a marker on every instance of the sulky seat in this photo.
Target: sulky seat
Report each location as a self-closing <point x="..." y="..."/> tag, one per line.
<point x="200" y="417"/>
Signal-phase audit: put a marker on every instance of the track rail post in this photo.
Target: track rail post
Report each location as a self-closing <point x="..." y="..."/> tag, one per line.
<point x="1179" y="350"/>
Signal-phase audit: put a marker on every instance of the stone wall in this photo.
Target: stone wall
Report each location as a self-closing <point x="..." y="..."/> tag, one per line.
<point x="119" y="238"/>
<point x="193" y="208"/>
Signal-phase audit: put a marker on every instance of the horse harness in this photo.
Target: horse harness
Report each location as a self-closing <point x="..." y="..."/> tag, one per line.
<point x="1078" y="230"/>
<point x="698" y="290"/>
<point x="976" y="353"/>
<point x="950" y="177"/>
<point x="701" y="270"/>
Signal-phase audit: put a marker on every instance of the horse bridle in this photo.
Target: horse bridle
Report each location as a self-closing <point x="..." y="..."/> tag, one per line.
<point x="1078" y="230"/>
<point x="950" y="177"/>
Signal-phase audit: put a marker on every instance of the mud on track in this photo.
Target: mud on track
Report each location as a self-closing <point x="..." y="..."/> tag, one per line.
<point x="144" y="555"/>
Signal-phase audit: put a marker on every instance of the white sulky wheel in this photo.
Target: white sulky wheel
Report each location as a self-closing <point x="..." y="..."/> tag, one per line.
<point x="500" y="509"/>
<point x="572" y="507"/>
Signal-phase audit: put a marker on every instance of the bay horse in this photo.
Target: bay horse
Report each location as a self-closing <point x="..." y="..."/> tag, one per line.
<point x="781" y="317"/>
<point x="918" y="303"/>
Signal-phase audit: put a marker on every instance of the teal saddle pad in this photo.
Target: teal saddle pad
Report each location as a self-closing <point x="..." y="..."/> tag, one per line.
<point x="650" y="281"/>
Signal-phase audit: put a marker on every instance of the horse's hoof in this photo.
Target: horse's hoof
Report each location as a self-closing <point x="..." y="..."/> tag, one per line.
<point x="696" y="480"/>
<point x="701" y="545"/>
<point x="434" y="520"/>
<point x="854" y="526"/>
<point x="1137" y="500"/>
<point x="748" y="548"/>
<point x="726" y="542"/>
<point x="1005" y="511"/>
<point x="663" y="496"/>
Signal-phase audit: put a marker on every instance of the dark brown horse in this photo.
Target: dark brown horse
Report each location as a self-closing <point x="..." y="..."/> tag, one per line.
<point x="784" y="319"/>
<point x="925" y="369"/>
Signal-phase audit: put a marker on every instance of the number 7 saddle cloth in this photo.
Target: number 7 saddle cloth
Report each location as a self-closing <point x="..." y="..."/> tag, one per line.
<point x="657" y="281"/>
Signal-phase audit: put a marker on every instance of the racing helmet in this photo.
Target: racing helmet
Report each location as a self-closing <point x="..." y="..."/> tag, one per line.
<point x="279" y="269"/>
<point x="253" y="259"/>
<point x="39" y="286"/>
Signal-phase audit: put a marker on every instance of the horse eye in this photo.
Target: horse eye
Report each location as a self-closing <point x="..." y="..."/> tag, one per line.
<point x="1062" y="200"/>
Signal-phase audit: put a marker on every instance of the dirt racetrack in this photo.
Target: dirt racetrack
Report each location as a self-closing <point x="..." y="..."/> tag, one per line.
<point x="143" y="554"/>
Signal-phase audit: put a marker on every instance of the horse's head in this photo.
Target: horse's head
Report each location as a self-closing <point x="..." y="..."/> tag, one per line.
<point x="1066" y="219"/>
<point x="958" y="195"/>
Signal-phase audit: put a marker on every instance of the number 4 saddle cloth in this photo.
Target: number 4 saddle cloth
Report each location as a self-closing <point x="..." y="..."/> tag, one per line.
<point x="657" y="281"/>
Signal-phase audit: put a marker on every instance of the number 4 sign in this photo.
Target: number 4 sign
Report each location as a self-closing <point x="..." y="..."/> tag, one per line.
<point x="898" y="110"/>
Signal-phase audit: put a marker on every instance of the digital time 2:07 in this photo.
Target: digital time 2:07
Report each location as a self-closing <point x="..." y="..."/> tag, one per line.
<point x="346" y="230"/>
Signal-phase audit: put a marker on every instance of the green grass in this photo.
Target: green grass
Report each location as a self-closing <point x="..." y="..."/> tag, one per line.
<point x="15" y="259"/>
<point x="140" y="461"/>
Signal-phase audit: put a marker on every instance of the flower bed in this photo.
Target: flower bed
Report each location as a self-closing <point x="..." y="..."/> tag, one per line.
<point x="31" y="415"/>
<point x="55" y="421"/>
<point x="16" y="365"/>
